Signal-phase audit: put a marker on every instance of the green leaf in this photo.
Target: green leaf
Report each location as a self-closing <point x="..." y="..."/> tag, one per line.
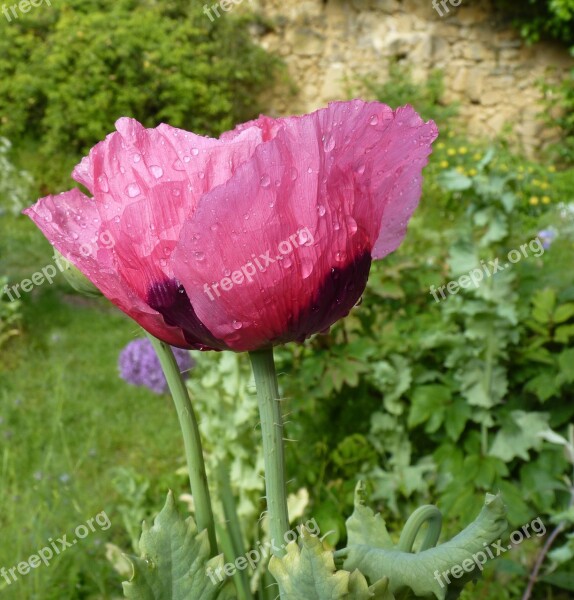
<point x="519" y="435"/>
<point x="544" y="302"/>
<point x="429" y="401"/>
<point x="453" y="181"/>
<point x="418" y="572"/>
<point x="566" y="364"/>
<point x="563" y="333"/>
<point x="563" y="313"/>
<point x="309" y="572"/>
<point x="174" y="562"/>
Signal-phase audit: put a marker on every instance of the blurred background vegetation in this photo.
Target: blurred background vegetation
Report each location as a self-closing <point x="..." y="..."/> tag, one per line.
<point x="428" y="402"/>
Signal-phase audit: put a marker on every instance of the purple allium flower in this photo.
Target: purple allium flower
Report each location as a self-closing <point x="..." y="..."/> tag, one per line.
<point x="546" y="237"/>
<point x="139" y="365"/>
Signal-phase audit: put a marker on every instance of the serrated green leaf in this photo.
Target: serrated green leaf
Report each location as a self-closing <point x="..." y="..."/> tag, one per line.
<point x="519" y="435"/>
<point x="566" y="364"/>
<point x="543" y="305"/>
<point x="563" y="333"/>
<point x="309" y="572"/>
<point x="418" y="572"/>
<point x="453" y="181"/>
<point x="563" y="313"/>
<point x="174" y="562"/>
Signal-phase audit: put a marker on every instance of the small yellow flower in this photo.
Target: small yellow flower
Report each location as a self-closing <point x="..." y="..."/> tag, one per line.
<point x="552" y="169"/>
<point x="544" y="185"/>
<point x="443" y="164"/>
<point x="477" y="156"/>
<point x="503" y="167"/>
<point x="451" y="151"/>
<point x="533" y="200"/>
<point x="461" y="170"/>
<point x="462" y="150"/>
<point x="530" y="169"/>
<point x="520" y="176"/>
<point x="472" y="172"/>
<point x="545" y="199"/>
<point x="536" y="182"/>
<point x="521" y="169"/>
<point x="440" y="145"/>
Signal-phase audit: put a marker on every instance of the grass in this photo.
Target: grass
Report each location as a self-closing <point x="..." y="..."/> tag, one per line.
<point x="67" y="421"/>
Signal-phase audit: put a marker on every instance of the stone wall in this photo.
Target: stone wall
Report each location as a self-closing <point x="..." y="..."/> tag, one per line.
<point x="486" y="66"/>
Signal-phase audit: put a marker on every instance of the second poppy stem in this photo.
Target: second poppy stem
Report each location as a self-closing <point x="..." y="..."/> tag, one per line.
<point x="273" y="450"/>
<point x="191" y="439"/>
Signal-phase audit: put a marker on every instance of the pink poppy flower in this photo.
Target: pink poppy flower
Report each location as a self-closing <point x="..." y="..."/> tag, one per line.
<point x="260" y="237"/>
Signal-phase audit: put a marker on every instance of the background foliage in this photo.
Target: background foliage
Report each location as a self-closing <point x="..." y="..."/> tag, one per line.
<point x="429" y="402"/>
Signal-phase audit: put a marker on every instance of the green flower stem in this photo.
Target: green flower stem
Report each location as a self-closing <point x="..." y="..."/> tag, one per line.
<point x="191" y="439"/>
<point x="235" y="546"/>
<point x="273" y="451"/>
<point x="412" y="527"/>
<point x="239" y="577"/>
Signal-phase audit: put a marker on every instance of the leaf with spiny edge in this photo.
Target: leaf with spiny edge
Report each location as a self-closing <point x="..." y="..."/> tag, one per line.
<point x="175" y="562"/>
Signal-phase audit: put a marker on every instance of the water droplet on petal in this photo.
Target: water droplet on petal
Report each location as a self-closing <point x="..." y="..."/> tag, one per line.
<point x="351" y="225"/>
<point x="194" y="151"/>
<point x="265" y="181"/>
<point x="306" y="268"/>
<point x="237" y="324"/>
<point x="137" y="158"/>
<point x="293" y="173"/>
<point x="122" y="170"/>
<point x="156" y="171"/>
<point x="178" y="165"/>
<point x="328" y="142"/>
<point x="133" y="190"/>
<point x="199" y="256"/>
<point x="75" y="236"/>
<point x="103" y="183"/>
<point x="361" y="169"/>
<point x="286" y="262"/>
<point x="321" y="210"/>
<point x="340" y="256"/>
<point x="309" y="170"/>
<point x="186" y="159"/>
<point x="374" y="120"/>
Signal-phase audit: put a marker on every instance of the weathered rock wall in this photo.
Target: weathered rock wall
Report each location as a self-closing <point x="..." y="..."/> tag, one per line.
<point x="487" y="68"/>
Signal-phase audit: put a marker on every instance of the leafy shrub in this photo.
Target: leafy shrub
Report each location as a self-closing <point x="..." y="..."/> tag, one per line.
<point x="441" y="401"/>
<point x="15" y="184"/>
<point x="67" y="73"/>
<point x="9" y="315"/>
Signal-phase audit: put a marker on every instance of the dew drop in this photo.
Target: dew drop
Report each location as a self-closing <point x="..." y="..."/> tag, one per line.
<point x="133" y="190"/>
<point x="194" y="151"/>
<point x="286" y="262"/>
<point x="351" y="225"/>
<point x="137" y="158"/>
<point x="122" y="170"/>
<point x="199" y="256"/>
<point x="374" y="120"/>
<point x="321" y="210"/>
<point x="156" y="171"/>
<point x="201" y="175"/>
<point x="178" y="165"/>
<point x="186" y="159"/>
<point x="293" y="173"/>
<point x="103" y="183"/>
<point x="309" y="170"/>
<point x="306" y="268"/>
<point x="75" y="236"/>
<point x="340" y="256"/>
<point x="361" y="169"/>
<point x="237" y="324"/>
<point x="265" y="181"/>
<point x="328" y="142"/>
